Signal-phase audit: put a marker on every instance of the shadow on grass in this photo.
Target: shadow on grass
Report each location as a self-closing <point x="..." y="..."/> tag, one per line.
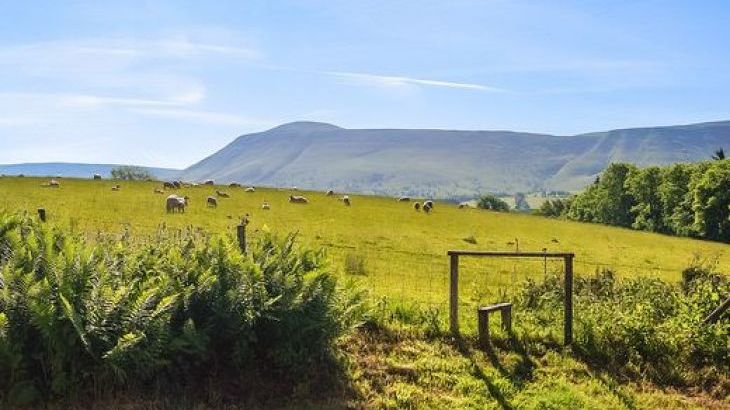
<point x="521" y="372"/>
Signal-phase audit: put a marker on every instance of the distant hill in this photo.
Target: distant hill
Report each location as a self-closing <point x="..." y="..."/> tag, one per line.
<point x="73" y="170"/>
<point x="443" y="163"/>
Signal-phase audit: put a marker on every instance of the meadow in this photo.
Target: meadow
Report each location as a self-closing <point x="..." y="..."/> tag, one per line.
<point x="404" y="358"/>
<point x="385" y="245"/>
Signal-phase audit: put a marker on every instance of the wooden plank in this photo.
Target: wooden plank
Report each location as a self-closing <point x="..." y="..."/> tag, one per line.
<point x="512" y="254"/>
<point x="497" y="306"/>
<point x="454" y="295"/>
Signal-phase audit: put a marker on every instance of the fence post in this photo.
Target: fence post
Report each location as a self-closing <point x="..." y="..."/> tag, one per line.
<point x="568" y="300"/>
<point x="454" y="294"/>
<point x="241" y="234"/>
<point x="42" y="214"/>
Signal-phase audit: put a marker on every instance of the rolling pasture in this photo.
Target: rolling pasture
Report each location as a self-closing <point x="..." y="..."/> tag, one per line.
<point x="386" y="245"/>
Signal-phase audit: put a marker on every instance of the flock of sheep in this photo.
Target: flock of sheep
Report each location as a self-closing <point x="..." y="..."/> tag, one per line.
<point x="175" y="203"/>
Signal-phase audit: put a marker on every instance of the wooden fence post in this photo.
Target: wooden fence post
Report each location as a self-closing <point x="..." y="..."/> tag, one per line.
<point x="454" y="295"/>
<point x="568" y="301"/>
<point x="241" y="234"/>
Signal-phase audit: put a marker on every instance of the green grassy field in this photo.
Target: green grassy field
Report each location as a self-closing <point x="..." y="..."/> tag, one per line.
<point x="392" y="249"/>
<point x="400" y="254"/>
<point x="404" y="251"/>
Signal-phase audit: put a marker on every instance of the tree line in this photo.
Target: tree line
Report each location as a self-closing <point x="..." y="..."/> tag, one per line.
<point x="682" y="199"/>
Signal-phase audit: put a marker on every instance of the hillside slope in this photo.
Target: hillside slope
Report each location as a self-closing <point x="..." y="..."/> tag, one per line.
<point x="442" y="163"/>
<point x="76" y="170"/>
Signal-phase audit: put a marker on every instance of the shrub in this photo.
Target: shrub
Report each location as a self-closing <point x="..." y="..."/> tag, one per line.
<point x="175" y="310"/>
<point x="131" y="173"/>
<point x="643" y="327"/>
<point x="492" y="203"/>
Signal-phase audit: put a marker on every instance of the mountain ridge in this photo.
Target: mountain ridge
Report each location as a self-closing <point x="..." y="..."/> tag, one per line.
<point x="437" y="163"/>
<point x="447" y="163"/>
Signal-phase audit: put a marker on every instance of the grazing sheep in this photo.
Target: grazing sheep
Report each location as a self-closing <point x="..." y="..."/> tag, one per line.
<point x="429" y="203"/>
<point x="250" y="189"/>
<point x="463" y="205"/>
<point x="212" y="202"/>
<point x="234" y="185"/>
<point x="426" y="207"/>
<point x="168" y="185"/>
<point x="54" y="184"/>
<point x="298" y="199"/>
<point x="115" y="188"/>
<point x="97" y="176"/>
<point x="266" y="205"/>
<point x="346" y="200"/>
<point x="209" y="182"/>
<point x="294" y="188"/>
<point x="417" y="206"/>
<point x="330" y="193"/>
<point x="177" y="184"/>
<point x="404" y="199"/>
<point x="222" y="194"/>
<point x="175" y="203"/>
<point x="159" y="191"/>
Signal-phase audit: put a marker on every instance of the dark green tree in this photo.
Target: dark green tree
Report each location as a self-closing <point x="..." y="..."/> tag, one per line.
<point x="719" y="155"/>
<point x="131" y="173"/>
<point x="492" y="203"/>
<point x="711" y="201"/>
<point x="643" y="186"/>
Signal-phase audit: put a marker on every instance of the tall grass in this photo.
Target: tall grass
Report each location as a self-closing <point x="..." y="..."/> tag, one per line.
<point x="77" y="318"/>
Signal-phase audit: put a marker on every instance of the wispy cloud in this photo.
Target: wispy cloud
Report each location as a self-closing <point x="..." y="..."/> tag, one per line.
<point x="400" y="82"/>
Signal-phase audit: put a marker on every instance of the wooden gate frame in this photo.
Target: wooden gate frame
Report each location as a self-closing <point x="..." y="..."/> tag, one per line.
<point x="568" y="289"/>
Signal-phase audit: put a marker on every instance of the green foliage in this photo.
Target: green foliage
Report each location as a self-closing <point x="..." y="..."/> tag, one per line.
<point x="173" y="310"/>
<point x="683" y="199"/>
<point x="644" y="328"/>
<point x="131" y="173"/>
<point x="607" y="200"/>
<point x="492" y="203"/>
<point x="555" y="208"/>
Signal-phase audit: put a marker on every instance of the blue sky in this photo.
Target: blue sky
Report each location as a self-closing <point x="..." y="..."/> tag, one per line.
<point x="166" y="83"/>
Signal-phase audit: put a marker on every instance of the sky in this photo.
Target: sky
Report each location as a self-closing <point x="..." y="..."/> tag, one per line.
<point x="166" y="83"/>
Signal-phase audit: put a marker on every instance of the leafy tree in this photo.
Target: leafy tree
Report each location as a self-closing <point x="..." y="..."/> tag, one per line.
<point x="555" y="207"/>
<point x="711" y="202"/>
<point x="492" y="203"/>
<point x="643" y="186"/>
<point x="676" y="201"/>
<point x="719" y="155"/>
<point x="131" y="173"/>
<point x="607" y="200"/>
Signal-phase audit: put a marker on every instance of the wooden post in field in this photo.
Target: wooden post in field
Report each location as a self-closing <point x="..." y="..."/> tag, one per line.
<point x="42" y="214"/>
<point x="568" y="300"/>
<point x="454" y="295"/>
<point x="241" y="234"/>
